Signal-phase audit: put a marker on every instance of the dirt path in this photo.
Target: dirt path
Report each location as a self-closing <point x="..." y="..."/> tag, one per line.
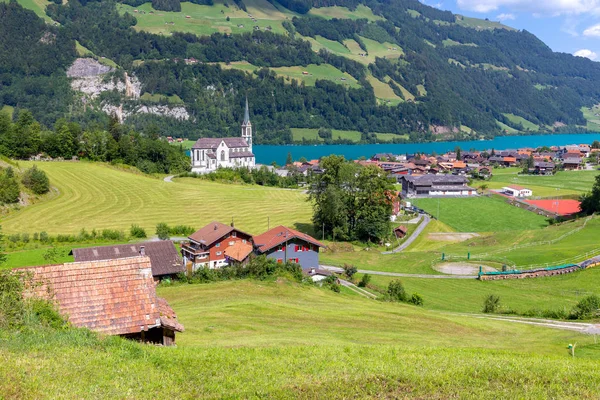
<point x="462" y="268"/>
<point x="413" y="237"/>
<point x="581" y="327"/>
<point x="169" y="178"/>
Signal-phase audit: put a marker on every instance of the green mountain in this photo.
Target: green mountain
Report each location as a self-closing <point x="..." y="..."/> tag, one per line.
<point x="381" y="69"/>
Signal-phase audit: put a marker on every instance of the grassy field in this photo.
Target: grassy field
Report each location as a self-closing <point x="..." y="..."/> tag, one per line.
<point x="560" y="184"/>
<point x="312" y="134"/>
<point x="159" y="98"/>
<point x="527" y="125"/>
<point x="360" y="12"/>
<point x="37" y="6"/>
<point x="506" y="128"/>
<point x="312" y="72"/>
<point x="592" y="117"/>
<point x="480" y="24"/>
<point x="383" y="91"/>
<point x="94" y="196"/>
<point x="481" y="214"/>
<point x="283" y="340"/>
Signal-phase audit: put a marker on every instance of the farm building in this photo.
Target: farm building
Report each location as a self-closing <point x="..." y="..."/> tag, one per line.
<point x="113" y="297"/>
<point x="400" y="231"/>
<point x="208" y="246"/>
<point x="164" y="258"/>
<point x="281" y="243"/>
<point x="317" y="275"/>
<point x="517" y="191"/>
<point x="435" y="185"/>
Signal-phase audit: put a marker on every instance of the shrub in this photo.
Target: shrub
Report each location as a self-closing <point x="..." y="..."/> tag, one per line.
<point x="416" y="299"/>
<point x="12" y="305"/>
<point x="396" y="291"/>
<point x="163" y="231"/>
<point x="14" y="238"/>
<point x="491" y="304"/>
<point x="36" y="180"/>
<point x="588" y="307"/>
<point x="137" y="231"/>
<point x="365" y="280"/>
<point x="9" y="188"/>
<point x="182" y="230"/>
<point x="25" y="237"/>
<point x="44" y="238"/>
<point x="36" y="236"/>
<point x="110" y="234"/>
<point x="350" y="270"/>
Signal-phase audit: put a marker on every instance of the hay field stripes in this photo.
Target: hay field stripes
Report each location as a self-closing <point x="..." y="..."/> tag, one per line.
<point x="94" y="196"/>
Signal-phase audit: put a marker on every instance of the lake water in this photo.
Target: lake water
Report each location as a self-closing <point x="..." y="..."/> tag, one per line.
<point x="266" y="154"/>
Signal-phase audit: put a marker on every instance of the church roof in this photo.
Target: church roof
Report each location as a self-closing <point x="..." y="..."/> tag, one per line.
<point x="246" y="114"/>
<point x="213" y="143"/>
<point x="240" y="154"/>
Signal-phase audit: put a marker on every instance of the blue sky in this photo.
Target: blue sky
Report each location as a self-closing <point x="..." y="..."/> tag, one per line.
<point x="569" y="26"/>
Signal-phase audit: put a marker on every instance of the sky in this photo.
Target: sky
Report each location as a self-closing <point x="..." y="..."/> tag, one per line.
<point x="568" y="26"/>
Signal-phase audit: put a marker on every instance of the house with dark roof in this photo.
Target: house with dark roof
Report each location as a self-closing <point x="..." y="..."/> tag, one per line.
<point x="208" y="247"/>
<point x="286" y="244"/>
<point x="112" y="297"/>
<point x="208" y="154"/>
<point x="164" y="257"/>
<point x="572" y="163"/>
<point x="435" y="186"/>
<point x="542" y="168"/>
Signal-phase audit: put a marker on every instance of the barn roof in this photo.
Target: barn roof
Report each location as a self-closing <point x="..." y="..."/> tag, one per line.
<point x="163" y="255"/>
<point x="279" y="235"/>
<point x="213" y="232"/>
<point x="115" y="297"/>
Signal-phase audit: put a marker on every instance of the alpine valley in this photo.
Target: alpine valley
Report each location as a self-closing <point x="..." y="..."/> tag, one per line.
<point x="314" y="71"/>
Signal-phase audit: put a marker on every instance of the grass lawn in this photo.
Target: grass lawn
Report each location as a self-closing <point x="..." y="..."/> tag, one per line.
<point x="592" y="115"/>
<point x="159" y="98"/>
<point x="37" y="6"/>
<point x="560" y="184"/>
<point x="282" y="340"/>
<point x="96" y="196"/>
<point x="383" y="91"/>
<point x="481" y="214"/>
<point x="480" y="24"/>
<point x="506" y="128"/>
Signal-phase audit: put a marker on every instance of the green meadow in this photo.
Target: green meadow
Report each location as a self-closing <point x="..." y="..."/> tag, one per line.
<point x="97" y="196"/>
<point x="312" y="134"/>
<point x="561" y="184"/>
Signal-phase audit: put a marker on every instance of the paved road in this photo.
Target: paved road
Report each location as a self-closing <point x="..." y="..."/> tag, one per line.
<point x="401" y="275"/>
<point x="358" y="290"/>
<point x="169" y="178"/>
<point x="413" y="237"/>
<point x="581" y="327"/>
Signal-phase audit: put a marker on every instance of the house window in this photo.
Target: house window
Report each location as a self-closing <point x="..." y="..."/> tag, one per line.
<point x="218" y="245"/>
<point x="222" y="155"/>
<point x="219" y="253"/>
<point x="294" y="260"/>
<point x="234" y="234"/>
<point x="231" y="243"/>
<point x="280" y="248"/>
<point x="243" y="240"/>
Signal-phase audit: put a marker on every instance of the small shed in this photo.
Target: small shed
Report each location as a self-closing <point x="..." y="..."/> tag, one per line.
<point x="400" y="231"/>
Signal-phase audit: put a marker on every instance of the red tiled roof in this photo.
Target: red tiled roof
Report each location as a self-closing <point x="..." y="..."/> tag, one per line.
<point x="114" y="297"/>
<point x="213" y="232"/>
<point x="281" y="234"/>
<point x="239" y="251"/>
<point x="401" y="228"/>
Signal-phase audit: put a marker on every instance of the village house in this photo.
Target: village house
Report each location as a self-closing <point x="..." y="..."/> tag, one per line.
<point x="400" y="231"/>
<point x="207" y="247"/>
<point x="164" y="258"/>
<point x="208" y="154"/>
<point x="542" y="168"/>
<point x="286" y="244"/>
<point x="112" y="297"/>
<point x="572" y="163"/>
<point x="517" y="191"/>
<point x="436" y="185"/>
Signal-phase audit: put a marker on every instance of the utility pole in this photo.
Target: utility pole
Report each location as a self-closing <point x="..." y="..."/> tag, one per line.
<point x="323" y="230"/>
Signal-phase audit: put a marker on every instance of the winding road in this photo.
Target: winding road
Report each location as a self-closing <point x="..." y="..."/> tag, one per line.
<point x="413" y="237"/>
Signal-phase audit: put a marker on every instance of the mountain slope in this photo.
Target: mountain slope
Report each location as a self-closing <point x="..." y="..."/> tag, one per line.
<point x="394" y="67"/>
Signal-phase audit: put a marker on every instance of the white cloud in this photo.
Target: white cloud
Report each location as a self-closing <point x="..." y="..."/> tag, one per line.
<point x="593" y="30"/>
<point x="569" y="26"/>
<point x="505" y="17"/>
<point x="586" y="53"/>
<point x="546" y="7"/>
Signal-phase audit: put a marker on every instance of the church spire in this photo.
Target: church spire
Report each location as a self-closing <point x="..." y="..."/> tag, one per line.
<point x="246" y="114"/>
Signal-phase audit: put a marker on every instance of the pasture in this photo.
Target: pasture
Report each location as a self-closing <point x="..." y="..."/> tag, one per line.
<point x="97" y="196"/>
<point x="311" y="73"/>
<point x="527" y="125"/>
<point x="312" y="134"/>
<point x="360" y="12"/>
<point x="278" y="339"/>
<point x="480" y="214"/>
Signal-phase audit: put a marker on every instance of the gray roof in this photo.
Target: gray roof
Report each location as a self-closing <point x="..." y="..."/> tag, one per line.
<point x="543" y="164"/>
<point x="572" y="161"/>
<point x="164" y="257"/>
<point x="240" y="154"/>
<point x="213" y="143"/>
<point x="435" y="179"/>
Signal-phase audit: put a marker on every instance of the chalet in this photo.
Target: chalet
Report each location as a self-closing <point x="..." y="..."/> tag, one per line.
<point x="164" y="258"/>
<point x="207" y="247"/>
<point x="239" y="252"/>
<point x="400" y="231"/>
<point x="436" y="185"/>
<point x="286" y="244"/>
<point x="112" y="297"/>
<point x="517" y="191"/>
<point x="572" y="163"/>
<point x="543" y="168"/>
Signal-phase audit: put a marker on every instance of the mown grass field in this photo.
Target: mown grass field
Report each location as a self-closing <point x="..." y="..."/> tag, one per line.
<point x="282" y="340"/>
<point x="311" y="73"/>
<point x="527" y="125"/>
<point x="481" y="214"/>
<point x="592" y="117"/>
<point x="37" y="6"/>
<point x="562" y="183"/>
<point x="95" y="196"/>
<point x="312" y="134"/>
<point x="360" y="12"/>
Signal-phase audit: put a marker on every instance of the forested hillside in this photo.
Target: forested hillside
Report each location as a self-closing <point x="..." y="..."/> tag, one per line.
<point x="372" y="66"/>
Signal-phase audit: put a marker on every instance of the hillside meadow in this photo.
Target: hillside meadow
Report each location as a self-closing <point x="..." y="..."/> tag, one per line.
<point x="277" y="339"/>
<point x="97" y="196"/>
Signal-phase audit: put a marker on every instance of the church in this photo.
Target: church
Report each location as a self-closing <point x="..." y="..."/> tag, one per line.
<point x="208" y="154"/>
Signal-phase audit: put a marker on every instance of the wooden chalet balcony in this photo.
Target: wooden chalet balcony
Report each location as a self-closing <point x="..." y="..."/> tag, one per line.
<point x="191" y="249"/>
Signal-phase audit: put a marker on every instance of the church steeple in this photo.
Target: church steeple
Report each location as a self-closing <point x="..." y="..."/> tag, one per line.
<point x="247" y="127"/>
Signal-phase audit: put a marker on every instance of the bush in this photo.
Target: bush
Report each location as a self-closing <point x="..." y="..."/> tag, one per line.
<point x="36" y="180"/>
<point x="396" y="291"/>
<point x="257" y="268"/>
<point x="44" y="238"/>
<point x="350" y="270"/>
<point x="365" y="280"/>
<point x="36" y="236"/>
<point x="182" y="230"/>
<point x="163" y="231"/>
<point x="9" y="188"/>
<point x="110" y="234"/>
<point x="587" y="307"/>
<point x="14" y="238"/>
<point x="137" y="231"/>
<point x="416" y="299"/>
<point x="25" y="237"/>
<point x="491" y="304"/>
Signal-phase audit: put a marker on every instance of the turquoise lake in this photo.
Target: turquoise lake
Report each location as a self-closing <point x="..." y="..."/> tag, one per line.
<point x="266" y="154"/>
